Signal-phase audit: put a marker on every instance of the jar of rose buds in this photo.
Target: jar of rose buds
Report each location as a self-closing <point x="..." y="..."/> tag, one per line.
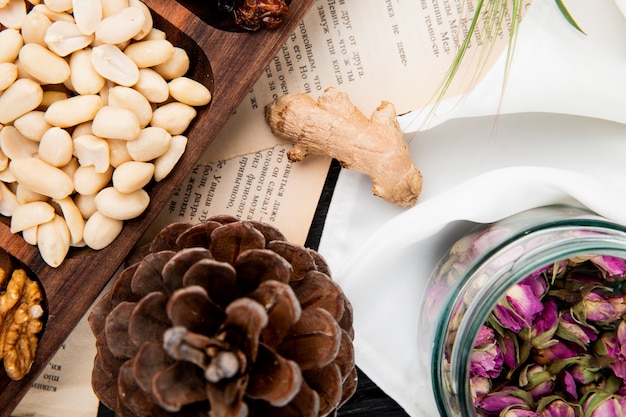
<point x="525" y="317"/>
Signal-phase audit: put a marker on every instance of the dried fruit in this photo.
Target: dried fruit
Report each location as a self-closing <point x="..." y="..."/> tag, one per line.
<point x="255" y="14"/>
<point x="225" y="316"/>
<point x="21" y="315"/>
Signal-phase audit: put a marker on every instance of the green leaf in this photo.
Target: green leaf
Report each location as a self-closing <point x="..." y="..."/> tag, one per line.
<point x="568" y="16"/>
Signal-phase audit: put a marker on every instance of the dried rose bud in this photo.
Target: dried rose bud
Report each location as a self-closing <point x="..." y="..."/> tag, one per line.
<point x="517" y="411"/>
<point x="497" y="401"/>
<point x="545" y="325"/>
<point x="598" y="307"/>
<point x="570" y="329"/>
<point x="521" y="304"/>
<point x="486" y="360"/>
<point x="556" y="352"/>
<point x="537" y="380"/>
<point x="613" y="268"/>
<point x="602" y="404"/>
<point x="556" y="407"/>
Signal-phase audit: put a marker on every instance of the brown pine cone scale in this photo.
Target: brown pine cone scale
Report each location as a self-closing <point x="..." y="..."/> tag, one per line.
<point x="225" y="318"/>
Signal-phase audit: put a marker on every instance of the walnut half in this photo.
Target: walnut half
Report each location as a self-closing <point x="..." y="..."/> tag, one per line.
<point x="21" y="315"/>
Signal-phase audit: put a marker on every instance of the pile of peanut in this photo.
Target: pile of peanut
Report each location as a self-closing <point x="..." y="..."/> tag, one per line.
<point x="94" y="104"/>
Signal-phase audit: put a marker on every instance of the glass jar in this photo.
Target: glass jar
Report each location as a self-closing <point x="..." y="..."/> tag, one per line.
<point x="478" y="270"/>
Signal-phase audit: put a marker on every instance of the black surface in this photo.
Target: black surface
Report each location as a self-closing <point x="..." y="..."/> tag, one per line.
<point x="368" y="400"/>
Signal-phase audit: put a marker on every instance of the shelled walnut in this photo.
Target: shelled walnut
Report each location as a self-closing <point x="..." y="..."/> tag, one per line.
<point x="21" y="315"/>
<point x="224" y="317"/>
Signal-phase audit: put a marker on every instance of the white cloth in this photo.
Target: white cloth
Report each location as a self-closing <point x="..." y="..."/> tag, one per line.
<point x="476" y="169"/>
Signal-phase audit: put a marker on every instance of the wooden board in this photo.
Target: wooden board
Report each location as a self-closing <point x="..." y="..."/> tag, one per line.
<point x="229" y="63"/>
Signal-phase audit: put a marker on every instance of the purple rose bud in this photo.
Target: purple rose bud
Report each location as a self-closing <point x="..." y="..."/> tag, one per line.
<point x="598" y="307"/>
<point x="559" y="408"/>
<point x="584" y="375"/>
<point x="486" y="359"/>
<point x="519" y="412"/>
<point x="497" y="401"/>
<point x="558" y="351"/>
<point x="614" y="267"/>
<point x="602" y="405"/>
<point x="573" y="331"/>
<point x="569" y="385"/>
<point x="519" y="308"/>
<point x="619" y="304"/>
<point x="536" y="380"/>
<point x="545" y="325"/>
<point x="509" y="349"/>
<point x="479" y="387"/>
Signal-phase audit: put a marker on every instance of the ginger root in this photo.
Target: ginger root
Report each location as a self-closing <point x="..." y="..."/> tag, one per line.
<point x="335" y="127"/>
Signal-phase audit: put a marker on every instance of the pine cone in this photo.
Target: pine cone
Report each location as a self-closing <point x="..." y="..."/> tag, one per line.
<point x="224" y="318"/>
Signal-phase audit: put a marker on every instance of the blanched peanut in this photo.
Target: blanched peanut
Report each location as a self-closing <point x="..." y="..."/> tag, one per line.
<point x="74" y="110"/>
<point x="31" y="214"/>
<point x="12" y="15"/>
<point x="10" y="44"/>
<point x="42" y="177"/>
<point x="30" y="235"/>
<point x="100" y="230"/>
<point x="53" y="241"/>
<point x="111" y="63"/>
<point x="73" y="218"/>
<point x="4" y="161"/>
<point x="8" y="75"/>
<point x="32" y="125"/>
<point x="26" y="195"/>
<point x="51" y="96"/>
<point x="130" y="99"/>
<point x="110" y="7"/>
<point x="87" y="13"/>
<point x="152" y="85"/>
<point x="34" y="28"/>
<point x="8" y="201"/>
<point x="149" y="53"/>
<point x="86" y="204"/>
<point x="56" y="147"/>
<point x="88" y="181"/>
<point x="121" y="206"/>
<point x="71" y="167"/>
<point x="115" y="123"/>
<point x="21" y="97"/>
<point x="164" y="164"/>
<point x="51" y="14"/>
<point x="155" y="34"/>
<point x="132" y="176"/>
<point x="82" y="129"/>
<point x="15" y="145"/>
<point x="59" y="5"/>
<point x="176" y="66"/>
<point x="151" y="143"/>
<point x="43" y="64"/>
<point x="7" y="177"/>
<point x="121" y="26"/>
<point x="91" y="150"/>
<point x="63" y="38"/>
<point x="118" y="152"/>
<point x="189" y="91"/>
<point x="148" y="23"/>
<point x="174" y="117"/>
<point x="83" y="76"/>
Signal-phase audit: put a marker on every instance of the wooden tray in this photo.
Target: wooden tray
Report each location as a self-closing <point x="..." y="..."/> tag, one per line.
<point x="229" y="63"/>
